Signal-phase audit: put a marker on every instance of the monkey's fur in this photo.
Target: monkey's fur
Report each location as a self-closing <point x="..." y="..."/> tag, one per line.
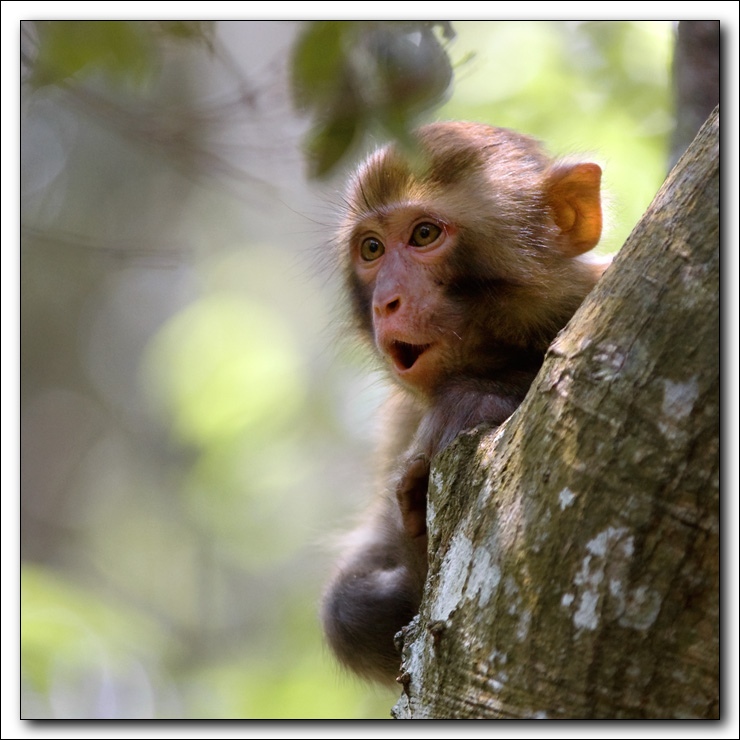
<point x="461" y="269"/>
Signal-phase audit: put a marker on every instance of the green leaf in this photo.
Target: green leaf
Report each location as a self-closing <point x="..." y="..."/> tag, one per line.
<point x="330" y="142"/>
<point x="318" y="62"/>
<point x="122" y="50"/>
<point x="188" y="30"/>
<point x="363" y="75"/>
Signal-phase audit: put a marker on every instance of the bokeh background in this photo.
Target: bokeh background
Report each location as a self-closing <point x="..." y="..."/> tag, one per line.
<point x="196" y="425"/>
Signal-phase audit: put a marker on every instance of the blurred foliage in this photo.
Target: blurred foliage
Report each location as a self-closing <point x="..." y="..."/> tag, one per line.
<point x="90" y="657"/>
<point x="356" y="76"/>
<point x="599" y="90"/>
<point x="189" y="435"/>
<point x="122" y="51"/>
<point x="223" y="367"/>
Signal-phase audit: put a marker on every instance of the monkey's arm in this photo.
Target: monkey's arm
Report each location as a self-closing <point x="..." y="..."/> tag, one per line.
<point x="461" y="407"/>
<point x="464" y="405"/>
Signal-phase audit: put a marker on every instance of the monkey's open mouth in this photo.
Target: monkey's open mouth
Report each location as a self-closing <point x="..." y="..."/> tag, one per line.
<point x="405" y="355"/>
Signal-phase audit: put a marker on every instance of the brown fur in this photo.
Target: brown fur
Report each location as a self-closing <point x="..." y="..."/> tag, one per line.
<point x="463" y="323"/>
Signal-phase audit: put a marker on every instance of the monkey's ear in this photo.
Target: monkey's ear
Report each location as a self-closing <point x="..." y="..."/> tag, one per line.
<point x="573" y="194"/>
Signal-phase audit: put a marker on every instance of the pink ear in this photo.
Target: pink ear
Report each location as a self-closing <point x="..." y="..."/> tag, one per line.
<point x="573" y="194"/>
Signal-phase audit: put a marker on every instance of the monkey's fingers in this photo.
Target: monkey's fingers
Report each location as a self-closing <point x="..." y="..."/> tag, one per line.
<point x="412" y="497"/>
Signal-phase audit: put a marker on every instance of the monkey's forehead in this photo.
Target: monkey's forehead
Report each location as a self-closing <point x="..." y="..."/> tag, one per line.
<point x="476" y="159"/>
<point x="379" y="192"/>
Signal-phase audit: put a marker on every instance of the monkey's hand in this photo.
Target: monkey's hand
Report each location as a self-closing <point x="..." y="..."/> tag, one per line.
<point x="411" y="494"/>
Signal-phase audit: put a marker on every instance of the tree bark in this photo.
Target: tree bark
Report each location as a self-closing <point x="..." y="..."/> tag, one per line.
<point x="574" y="551"/>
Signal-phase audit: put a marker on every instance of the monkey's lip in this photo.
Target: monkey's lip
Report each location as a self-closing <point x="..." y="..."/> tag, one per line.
<point x="405" y="355"/>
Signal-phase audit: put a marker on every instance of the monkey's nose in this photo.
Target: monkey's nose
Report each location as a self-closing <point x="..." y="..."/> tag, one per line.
<point x="387" y="308"/>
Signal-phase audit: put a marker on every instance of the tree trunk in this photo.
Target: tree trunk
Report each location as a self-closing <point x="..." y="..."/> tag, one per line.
<point x="695" y="80"/>
<point x="574" y="551"/>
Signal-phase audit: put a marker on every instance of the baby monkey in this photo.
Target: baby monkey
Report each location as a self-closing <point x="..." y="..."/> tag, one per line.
<point x="461" y="269"/>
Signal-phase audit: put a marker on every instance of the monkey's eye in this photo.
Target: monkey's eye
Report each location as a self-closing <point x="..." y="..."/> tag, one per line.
<point x="371" y="248"/>
<point x="424" y="234"/>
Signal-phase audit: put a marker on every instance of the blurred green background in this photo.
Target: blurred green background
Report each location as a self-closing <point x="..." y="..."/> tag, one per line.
<point x="196" y="427"/>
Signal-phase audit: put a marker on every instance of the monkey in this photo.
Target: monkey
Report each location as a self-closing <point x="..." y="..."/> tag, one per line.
<point x="462" y="264"/>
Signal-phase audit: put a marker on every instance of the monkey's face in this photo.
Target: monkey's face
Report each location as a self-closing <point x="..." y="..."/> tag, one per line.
<point x="399" y="257"/>
<point x="462" y="263"/>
